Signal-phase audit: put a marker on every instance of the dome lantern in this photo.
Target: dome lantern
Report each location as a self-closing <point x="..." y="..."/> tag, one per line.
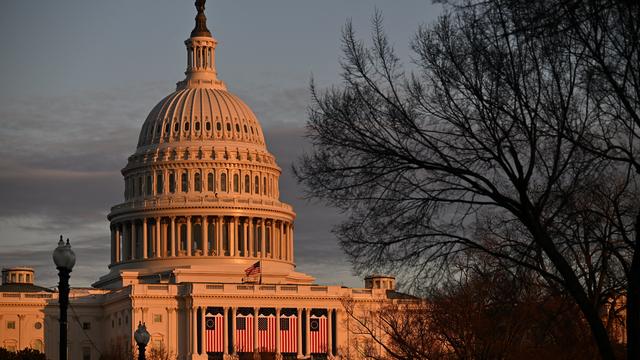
<point x="201" y="46"/>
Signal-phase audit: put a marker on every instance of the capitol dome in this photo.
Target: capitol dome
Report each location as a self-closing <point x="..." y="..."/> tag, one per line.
<point x="201" y="194"/>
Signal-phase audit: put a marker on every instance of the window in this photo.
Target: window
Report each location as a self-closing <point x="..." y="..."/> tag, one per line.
<point x="210" y="183"/>
<point x="159" y="183"/>
<point x="11" y="324"/>
<point x="218" y="126"/>
<point x="185" y="182"/>
<point x="157" y="318"/>
<point x="207" y="126"/>
<point x="245" y="128"/>
<point x="139" y="185"/>
<point x="20" y="278"/>
<point x="28" y="277"/>
<point x="86" y="326"/>
<point x="247" y="184"/>
<point x="257" y="185"/>
<point x="223" y="182"/>
<point x="186" y="126"/>
<point x="197" y="126"/>
<point x="197" y="182"/>
<point x="37" y="325"/>
<point x="37" y="345"/>
<point x="176" y="127"/>
<point x="172" y="183"/>
<point x="86" y="353"/>
<point x="237" y="128"/>
<point x="264" y="186"/>
<point x="166" y="128"/>
<point x="148" y="185"/>
<point x="228" y="127"/>
<point x="236" y="181"/>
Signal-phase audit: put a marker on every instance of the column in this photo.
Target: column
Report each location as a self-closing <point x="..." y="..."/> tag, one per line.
<point x="218" y="236"/>
<point x="118" y="243"/>
<point x="307" y="341"/>
<point x="225" y="331"/>
<point x="245" y="237"/>
<point x="282" y="243"/>
<point x="255" y="329"/>
<point x="173" y="236"/>
<point x="194" y="330"/>
<point x="188" y="235"/>
<point x="113" y="245"/>
<point x="203" y="330"/>
<point x="205" y="235"/>
<point x="264" y="237"/>
<point x="291" y="255"/>
<point x="277" y="332"/>
<point x="329" y="331"/>
<point x="299" y="327"/>
<point x="250" y="237"/>
<point x="233" y="328"/>
<point x="158" y="242"/>
<point x="133" y="239"/>
<point x="145" y="238"/>
<point x="233" y="237"/>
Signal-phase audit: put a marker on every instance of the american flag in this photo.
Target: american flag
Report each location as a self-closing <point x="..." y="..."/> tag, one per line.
<point x="288" y="334"/>
<point x="244" y="333"/>
<point x="253" y="269"/>
<point x="214" y="329"/>
<point x="318" y="334"/>
<point x="267" y="333"/>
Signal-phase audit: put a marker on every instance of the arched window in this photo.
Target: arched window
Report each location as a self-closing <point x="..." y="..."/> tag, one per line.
<point x="257" y="185"/>
<point x="185" y="182"/>
<point x="210" y="183"/>
<point x="236" y="183"/>
<point x="197" y="182"/>
<point x="247" y="184"/>
<point x="264" y="186"/>
<point x="148" y="185"/>
<point x="223" y="182"/>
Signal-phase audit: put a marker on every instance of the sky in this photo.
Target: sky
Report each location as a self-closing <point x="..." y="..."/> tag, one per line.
<point x="80" y="76"/>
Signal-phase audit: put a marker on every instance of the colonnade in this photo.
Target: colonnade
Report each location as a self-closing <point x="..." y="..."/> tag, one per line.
<point x="201" y="235"/>
<point x="197" y="333"/>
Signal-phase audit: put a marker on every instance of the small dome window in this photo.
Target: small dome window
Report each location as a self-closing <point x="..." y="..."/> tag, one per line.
<point x="237" y="128"/>
<point x="176" y="127"/>
<point x="218" y="126"/>
<point x="197" y="125"/>
<point x="228" y="126"/>
<point x="167" y="128"/>
<point x="186" y="126"/>
<point x="252" y="130"/>
<point x="207" y="126"/>
<point x="245" y="128"/>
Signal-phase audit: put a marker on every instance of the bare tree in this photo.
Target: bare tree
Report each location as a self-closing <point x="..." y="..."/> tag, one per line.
<point x="471" y="152"/>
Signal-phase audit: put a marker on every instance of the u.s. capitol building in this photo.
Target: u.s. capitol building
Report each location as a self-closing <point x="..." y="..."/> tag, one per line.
<point x="202" y="249"/>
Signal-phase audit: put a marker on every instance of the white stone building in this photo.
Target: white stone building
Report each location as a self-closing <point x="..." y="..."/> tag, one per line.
<point x="201" y="205"/>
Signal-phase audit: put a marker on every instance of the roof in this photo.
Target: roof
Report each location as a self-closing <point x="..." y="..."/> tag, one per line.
<point x="21" y="287"/>
<point x="392" y="294"/>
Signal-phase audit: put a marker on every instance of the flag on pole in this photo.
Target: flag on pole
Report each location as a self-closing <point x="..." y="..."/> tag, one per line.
<point x="253" y="269"/>
<point x="214" y="325"/>
<point x="318" y="334"/>
<point x="267" y="333"/>
<point x="288" y="334"/>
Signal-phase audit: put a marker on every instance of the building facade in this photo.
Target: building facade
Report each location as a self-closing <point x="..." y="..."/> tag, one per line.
<point x="202" y="249"/>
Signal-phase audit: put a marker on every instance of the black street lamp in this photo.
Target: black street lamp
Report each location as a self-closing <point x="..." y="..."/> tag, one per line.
<point x="64" y="258"/>
<point x="142" y="337"/>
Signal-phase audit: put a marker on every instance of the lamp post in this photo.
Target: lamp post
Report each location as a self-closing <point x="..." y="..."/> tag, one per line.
<point x="64" y="258"/>
<point x="142" y="337"/>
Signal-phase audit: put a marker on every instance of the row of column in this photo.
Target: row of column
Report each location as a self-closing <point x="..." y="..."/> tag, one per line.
<point x="197" y="332"/>
<point x="203" y="235"/>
